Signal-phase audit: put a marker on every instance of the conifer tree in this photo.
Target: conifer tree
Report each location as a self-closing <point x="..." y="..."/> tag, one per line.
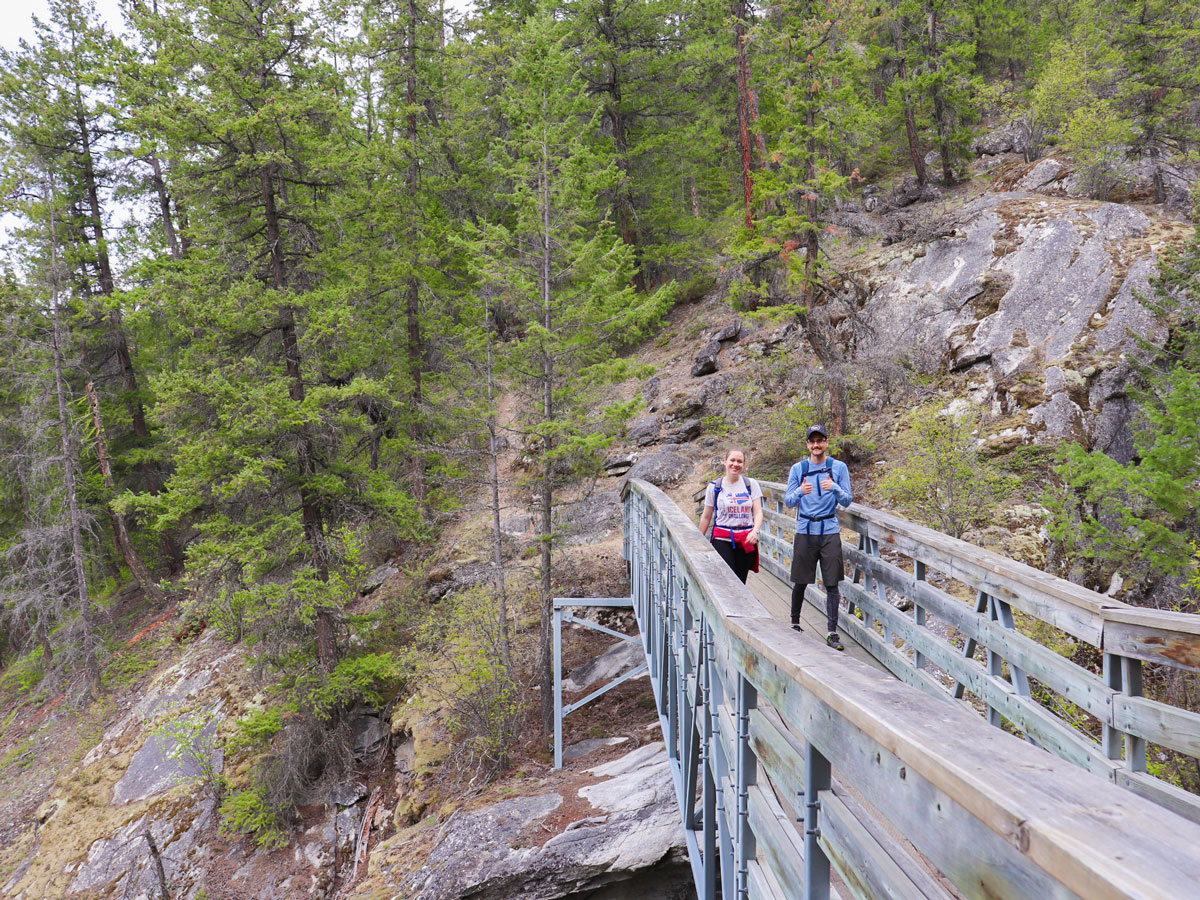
<point x="267" y="422"/>
<point x="1159" y="45"/>
<point x="558" y="263"/>
<point x="815" y="119"/>
<point x="58" y="93"/>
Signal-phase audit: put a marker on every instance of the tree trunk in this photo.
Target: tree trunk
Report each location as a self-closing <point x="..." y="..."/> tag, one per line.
<point x="310" y="509"/>
<point x="412" y="296"/>
<point x="129" y="382"/>
<point x="140" y="573"/>
<point x="547" y="501"/>
<point x="159" y="873"/>
<point x="164" y="207"/>
<point x="910" y="118"/>
<point x="625" y="209"/>
<point x="812" y="243"/>
<point x="86" y="611"/>
<point x="497" y="534"/>
<point x="740" y="13"/>
<point x="941" y="115"/>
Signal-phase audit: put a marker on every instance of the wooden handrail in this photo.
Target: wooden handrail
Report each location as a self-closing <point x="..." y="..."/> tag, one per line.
<point x="755" y="713"/>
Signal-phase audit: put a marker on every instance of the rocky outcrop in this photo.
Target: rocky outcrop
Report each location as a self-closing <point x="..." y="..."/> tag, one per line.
<point x="1034" y="300"/>
<point x="663" y="469"/>
<point x="617" y="835"/>
<point x="644" y="431"/>
<point x="613" y="662"/>
<point x="590" y="519"/>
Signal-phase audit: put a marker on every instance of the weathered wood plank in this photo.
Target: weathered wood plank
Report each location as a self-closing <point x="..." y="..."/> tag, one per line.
<point x="780" y="846"/>
<point x="1037" y="661"/>
<point x="777" y="751"/>
<point x="1177" y="800"/>
<point x="1036" y="721"/>
<point x="1169" y="726"/>
<point x="1157" y="636"/>
<point x="762" y="886"/>
<point x="869" y="872"/>
<point x="1065" y="605"/>
<point x="1040" y="815"/>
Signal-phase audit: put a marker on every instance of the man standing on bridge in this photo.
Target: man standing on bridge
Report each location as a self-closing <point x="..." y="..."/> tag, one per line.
<point x="816" y="486"/>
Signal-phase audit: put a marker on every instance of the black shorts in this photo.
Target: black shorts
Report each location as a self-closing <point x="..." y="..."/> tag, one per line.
<point x="807" y="549"/>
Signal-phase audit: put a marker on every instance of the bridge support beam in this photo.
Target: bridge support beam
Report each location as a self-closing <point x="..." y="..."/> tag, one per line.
<point x="561" y="616"/>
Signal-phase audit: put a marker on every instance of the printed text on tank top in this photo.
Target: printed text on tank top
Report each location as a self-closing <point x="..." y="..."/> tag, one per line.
<point x="734" y="507"/>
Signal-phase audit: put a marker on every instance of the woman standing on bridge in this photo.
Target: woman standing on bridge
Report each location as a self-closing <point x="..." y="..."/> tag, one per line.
<point x="736" y="501"/>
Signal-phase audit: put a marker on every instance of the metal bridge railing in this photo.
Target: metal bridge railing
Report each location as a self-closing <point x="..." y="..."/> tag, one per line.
<point x="791" y="761"/>
<point x="1017" y="679"/>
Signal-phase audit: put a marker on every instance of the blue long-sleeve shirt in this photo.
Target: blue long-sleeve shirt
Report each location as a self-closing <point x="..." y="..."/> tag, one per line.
<point x="820" y="502"/>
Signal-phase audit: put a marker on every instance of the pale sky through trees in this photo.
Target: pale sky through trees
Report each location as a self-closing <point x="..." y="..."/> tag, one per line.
<point x="18" y="18"/>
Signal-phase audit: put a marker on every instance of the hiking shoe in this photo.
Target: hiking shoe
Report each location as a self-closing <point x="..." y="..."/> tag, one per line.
<point x="796" y="626"/>
<point x="834" y="641"/>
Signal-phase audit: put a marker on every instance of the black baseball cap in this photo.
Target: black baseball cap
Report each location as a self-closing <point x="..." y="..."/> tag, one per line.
<point x="815" y="429"/>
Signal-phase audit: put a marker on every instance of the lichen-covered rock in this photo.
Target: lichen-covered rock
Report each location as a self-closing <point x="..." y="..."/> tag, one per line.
<point x="162" y="763"/>
<point x="1038" y="293"/>
<point x="643" y="431"/>
<point x="663" y="469"/>
<point x="683" y="432"/>
<point x="618" y="659"/>
<point x="625" y="839"/>
<point x="589" y="519"/>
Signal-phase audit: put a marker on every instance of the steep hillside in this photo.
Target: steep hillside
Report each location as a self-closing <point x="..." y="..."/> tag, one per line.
<point x="1005" y="295"/>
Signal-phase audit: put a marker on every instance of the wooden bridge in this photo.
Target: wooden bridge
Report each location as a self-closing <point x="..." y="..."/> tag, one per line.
<point x="802" y="772"/>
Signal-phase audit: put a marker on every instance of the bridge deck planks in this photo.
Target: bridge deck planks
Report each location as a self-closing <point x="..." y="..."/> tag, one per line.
<point x="777" y="598"/>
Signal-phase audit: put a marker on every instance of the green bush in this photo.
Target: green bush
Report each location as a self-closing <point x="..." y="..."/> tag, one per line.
<point x="194" y="739"/>
<point x="459" y="661"/>
<point x="248" y="812"/>
<point x="940" y="479"/>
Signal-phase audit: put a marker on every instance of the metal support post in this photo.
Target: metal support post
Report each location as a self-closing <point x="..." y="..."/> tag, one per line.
<point x="1112" y="678"/>
<point x="818" y="777"/>
<point x="981" y="605"/>
<point x="707" y="889"/>
<point x="558" y="713"/>
<point x="671" y="687"/>
<point x="1135" y="747"/>
<point x="918" y="612"/>
<point x="561" y="604"/>
<point x="746" y="768"/>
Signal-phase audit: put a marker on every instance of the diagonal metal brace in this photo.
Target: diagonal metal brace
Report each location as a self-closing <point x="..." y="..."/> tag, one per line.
<point x="632" y="673"/>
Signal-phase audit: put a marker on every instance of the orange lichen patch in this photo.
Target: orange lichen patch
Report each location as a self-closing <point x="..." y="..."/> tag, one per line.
<point x="44" y="711"/>
<point x="573" y="809"/>
<point x="157" y="623"/>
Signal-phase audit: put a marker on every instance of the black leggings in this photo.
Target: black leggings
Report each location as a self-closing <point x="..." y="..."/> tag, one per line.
<point x="833" y="598"/>
<point x="735" y="557"/>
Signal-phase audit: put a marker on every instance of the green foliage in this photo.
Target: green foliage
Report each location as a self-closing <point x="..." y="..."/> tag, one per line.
<point x="255" y="729"/>
<point x="457" y="660"/>
<point x="1141" y="516"/>
<point x="940" y="478"/>
<point x="25" y="673"/>
<point x="1097" y="137"/>
<point x="366" y="679"/>
<point x="193" y="741"/>
<point x="249" y="812"/>
<point x="125" y="668"/>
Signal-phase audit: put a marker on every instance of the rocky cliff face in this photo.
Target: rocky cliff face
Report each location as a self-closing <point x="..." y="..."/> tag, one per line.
<point x="609" y="832"/>
<point x="1034" y="299"/>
